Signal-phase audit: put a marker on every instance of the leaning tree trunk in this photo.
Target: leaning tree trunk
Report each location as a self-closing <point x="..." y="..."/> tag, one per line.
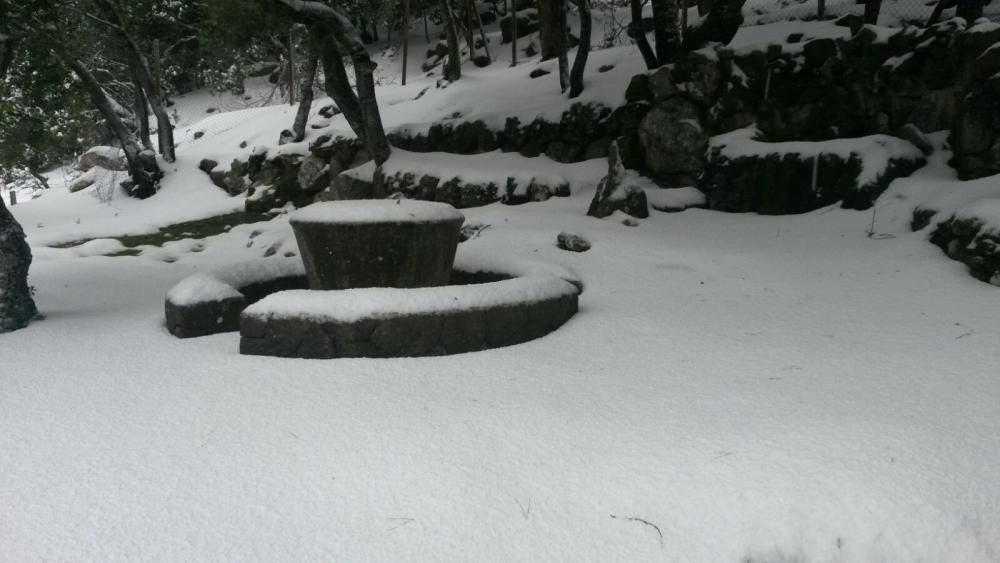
<point x="164" y="129"/>
<point x="666" y="30"/>
<point x="328" y="20"/>
<point x="582" y="50"/>
<point x="551" y="33"/>
<point x="336" y="83"/>
<point x="453" y="68"/>
<point x="637" y="34"/>
<point x="142" y="113"/>
<point x="305" y="98"/>
<point x="17" y="307"/>
<point x="142" y="165"/>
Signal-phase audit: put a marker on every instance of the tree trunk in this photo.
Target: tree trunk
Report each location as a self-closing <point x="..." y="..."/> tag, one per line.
<point x="38" y="176"/>
<point x="328" y="20"/>
<point x="582" y="50"/>
<point x="720" y="25"/>
<point x="406" y="36"/>
<point x="141" y="113"/>
<point x="482" y="31"/>
<point x="513" y="26"/>
<point x="336" y="82"/>
<point x="872" y="9"/>
<point x="164" y="129"/>
<point x="551" y="31"/>
<point x="639" y="36"/>
<point x="142" y="165"/>
<point x="305" y="98"/>
<point x="970" y="10"/>
<point x="564" y="48"/>
<point x="665" y="30"/>
<point x="453" y="68"/>
<point x="17" y="307"/>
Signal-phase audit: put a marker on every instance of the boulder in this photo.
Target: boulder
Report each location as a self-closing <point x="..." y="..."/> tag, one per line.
<point x="527" y="23"/>
<point x="572" y="242"/>
<point x="109" y="158"/>
<point x="965" y="239"/>
<point x="314" y="174"/>
<point x="674" y="140"/>
<point x="614" y="192"/>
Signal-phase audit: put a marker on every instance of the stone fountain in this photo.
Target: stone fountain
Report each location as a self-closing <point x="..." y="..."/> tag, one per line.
<point x="376" y="278"/>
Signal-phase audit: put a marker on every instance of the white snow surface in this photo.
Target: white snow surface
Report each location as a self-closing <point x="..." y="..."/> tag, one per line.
<point x="875" y="151"/>
<point x="358" y="212"/>
<point x="225" y="282"/>
<point x="385" y="302"/>
<point x="734" y="388"/>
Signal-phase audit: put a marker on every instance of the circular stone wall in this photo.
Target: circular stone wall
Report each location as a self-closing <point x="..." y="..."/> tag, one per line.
<point x="377" y="243"/>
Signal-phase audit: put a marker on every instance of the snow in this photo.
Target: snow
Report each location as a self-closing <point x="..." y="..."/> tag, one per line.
<point x="750" y="387"/>
<point x="491" y="167"/>
<point x="225" y="282"/>
<point x="350" y="305"/>
<point x="874" y="151"/>
<point x="377" y="211"/>
<point x="671" y="199"/>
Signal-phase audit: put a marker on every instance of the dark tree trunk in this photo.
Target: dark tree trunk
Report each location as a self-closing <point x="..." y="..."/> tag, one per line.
<point x="582" y="50"/>
<point x="336" y="83"/>
<point x="17" y="307"/>
<point x="142" y="165"/>
<point x="639" y="36"/>
<point x="305" y="98"/>
<point x="453" y="68"/>
<point x="142" y="113"/>
<point x="665" y="30"/>
<point x="164" y="129"/>
<point x="482" y="31"/>
<point x="551" y="33"/>
<point x="38" y="176"/>
<point x="327" y="20"/>
<point x="970" y="10"/>
<point x="564" y="48"/>
<point x="720" y="25"/>
<point x="872" y="9"/>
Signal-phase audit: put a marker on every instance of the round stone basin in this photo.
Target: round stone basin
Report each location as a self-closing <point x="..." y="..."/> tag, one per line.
<point x="377" y="243"/>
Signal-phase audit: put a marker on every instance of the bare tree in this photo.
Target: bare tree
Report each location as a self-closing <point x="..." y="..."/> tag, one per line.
<point x="636" y="32"/>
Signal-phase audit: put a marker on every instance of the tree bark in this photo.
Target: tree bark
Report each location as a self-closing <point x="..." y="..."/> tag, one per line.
<point x="142" y="165"/>
<point x="970" y="10"/>
<point x="665" y="30"/>
<point x="328" y="20"/>
<point x="639" y="36"/>
<point x="17" y="307"/>
<point x="564" y="48"/>
<point x="482" y="31"/>
<point x="582" y="50"/>
<point x="551" y="32"/>
<point x="141" y="113"/>
<point x="513" y="26"/>
<point x="406" y="36"/>
<point x="305" y="98"/>
<point x="872" y="9"/>
<point x="453" y="68"/>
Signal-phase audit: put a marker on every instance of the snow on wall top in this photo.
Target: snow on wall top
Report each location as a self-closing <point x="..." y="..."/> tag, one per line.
<point x="225" y="283"/>
<point x="874" y="151"/>
<point x="348" y="305"/>
<point x="377" y="211"/>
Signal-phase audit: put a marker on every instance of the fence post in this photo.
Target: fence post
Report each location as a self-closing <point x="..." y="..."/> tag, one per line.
<point x="13" y="198"/>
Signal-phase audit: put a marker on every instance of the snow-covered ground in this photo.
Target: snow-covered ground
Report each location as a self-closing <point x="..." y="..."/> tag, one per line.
<point x="734" y="388"/>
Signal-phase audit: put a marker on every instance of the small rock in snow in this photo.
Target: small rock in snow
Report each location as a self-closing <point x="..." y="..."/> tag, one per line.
<point x="572" y="242"/>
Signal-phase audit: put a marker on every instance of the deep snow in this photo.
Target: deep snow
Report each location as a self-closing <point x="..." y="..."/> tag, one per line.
<point x="734" y="388"/>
